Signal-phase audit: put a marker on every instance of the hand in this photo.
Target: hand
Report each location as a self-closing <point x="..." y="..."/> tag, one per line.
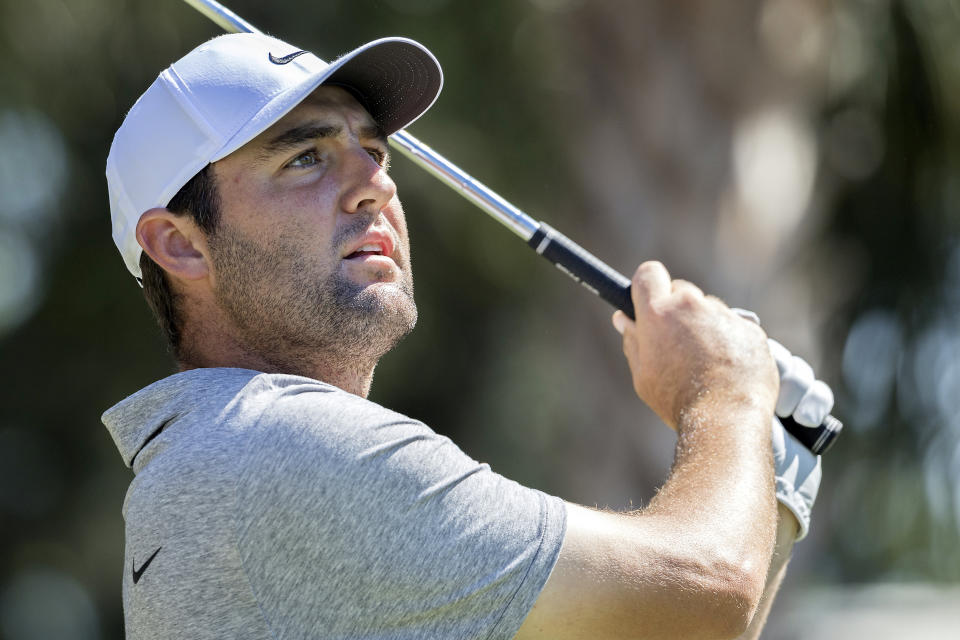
<point x="797" y="475"/>
<point x="809" y="401"/>
<point x="688" y="350"/>
<point x="802" y="396"/>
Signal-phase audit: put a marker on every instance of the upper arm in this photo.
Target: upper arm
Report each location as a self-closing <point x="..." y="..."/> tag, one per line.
<point x="636" y="576"/>
<point x="371" y="524"/>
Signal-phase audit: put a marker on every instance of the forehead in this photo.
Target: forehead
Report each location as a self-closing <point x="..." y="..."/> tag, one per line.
<point x="326" y="103"/>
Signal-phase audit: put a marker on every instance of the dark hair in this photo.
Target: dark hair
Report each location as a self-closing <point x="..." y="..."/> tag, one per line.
<point x="200" y="200"/>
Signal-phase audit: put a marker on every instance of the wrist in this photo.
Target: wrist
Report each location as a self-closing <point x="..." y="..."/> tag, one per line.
<point x="797" y="476"/>
<point x="742" y="414"/>
<point x="792" y="506"/>
<point x="788" y="526"/>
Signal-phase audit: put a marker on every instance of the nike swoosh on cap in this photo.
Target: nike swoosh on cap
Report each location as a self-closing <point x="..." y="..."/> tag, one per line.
<point x="138" y="573"/>
<point x="285" y="59"/>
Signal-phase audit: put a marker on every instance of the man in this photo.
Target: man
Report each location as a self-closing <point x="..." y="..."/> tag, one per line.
<point x="249" y="193"/>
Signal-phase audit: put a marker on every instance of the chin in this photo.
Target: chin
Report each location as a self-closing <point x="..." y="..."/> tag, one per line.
<point x="390" y="300"/>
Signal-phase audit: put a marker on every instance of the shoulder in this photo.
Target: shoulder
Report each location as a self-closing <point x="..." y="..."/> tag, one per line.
<point x="316" y="433"/>
<point x="303" y="412"/>
<point x="232" y="419"/>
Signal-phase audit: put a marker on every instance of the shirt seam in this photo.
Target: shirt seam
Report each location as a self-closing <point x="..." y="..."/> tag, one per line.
<point x="542" y="534"/>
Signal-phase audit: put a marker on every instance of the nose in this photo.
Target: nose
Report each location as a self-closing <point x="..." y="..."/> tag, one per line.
<point x="367" y="185"/>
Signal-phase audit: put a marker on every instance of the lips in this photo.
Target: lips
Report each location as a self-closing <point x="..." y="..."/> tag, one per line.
<point x="367" y="250"/>
<point x="374" y="243"/>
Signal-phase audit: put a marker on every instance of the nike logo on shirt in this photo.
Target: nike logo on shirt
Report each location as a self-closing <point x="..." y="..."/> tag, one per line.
<point x="138" y="573"/>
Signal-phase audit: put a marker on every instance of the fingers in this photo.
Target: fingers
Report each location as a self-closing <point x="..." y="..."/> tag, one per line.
<point x="688" y="292"/>
<point x="651" y="282"/>
<point x="796" y="377"/>
<point x="802" y="396"/>
<point x="621" y="321"/>
<point x="781" y="355"/>
<point x="678" y="313"/>
<point x="652" y="287"/>
<point x="625" y="327"/>
<point x="779" y="436"/>
<point x="684" y="344"/>
<point x="746" y="314"/>
<point x="815" y="405"/>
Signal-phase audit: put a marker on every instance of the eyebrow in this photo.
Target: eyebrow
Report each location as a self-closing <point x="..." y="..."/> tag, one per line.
<point x="292" y="138"/>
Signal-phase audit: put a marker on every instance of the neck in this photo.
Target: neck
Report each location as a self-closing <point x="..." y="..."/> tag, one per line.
<point x="352" y="379"/>
<point x="215" y="344"/>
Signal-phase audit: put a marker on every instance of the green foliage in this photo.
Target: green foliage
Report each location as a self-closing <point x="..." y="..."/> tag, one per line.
<point x="510" y="359"/>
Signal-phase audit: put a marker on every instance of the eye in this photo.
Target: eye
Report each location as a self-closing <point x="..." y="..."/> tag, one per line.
<point x="305" y="159"/>
<point x="379" y="156"/>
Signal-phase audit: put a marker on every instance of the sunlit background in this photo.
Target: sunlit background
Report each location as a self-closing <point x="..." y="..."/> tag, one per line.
<point x="796" y="157"/>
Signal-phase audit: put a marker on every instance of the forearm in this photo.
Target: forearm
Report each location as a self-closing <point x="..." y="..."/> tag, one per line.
<point x="693" y="563"/>
<point x="721" y="484"/>
<point x="786" y="535"/>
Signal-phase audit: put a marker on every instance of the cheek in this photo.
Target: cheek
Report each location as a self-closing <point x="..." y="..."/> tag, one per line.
<point x="237" y="201"/>
<point x="304" y="214"/>
<point x="397" y="219"/>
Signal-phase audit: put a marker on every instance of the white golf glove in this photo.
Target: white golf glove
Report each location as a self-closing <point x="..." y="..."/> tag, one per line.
<point x="802" y="396"/>
<point x="808" y="401"/>
<point x="797" y="476"/>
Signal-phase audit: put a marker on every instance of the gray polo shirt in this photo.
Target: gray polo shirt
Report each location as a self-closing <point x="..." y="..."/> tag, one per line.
<point x="276" y="506"/>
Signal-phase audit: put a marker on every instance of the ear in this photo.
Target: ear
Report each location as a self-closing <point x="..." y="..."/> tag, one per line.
<point x="175" y="243"/>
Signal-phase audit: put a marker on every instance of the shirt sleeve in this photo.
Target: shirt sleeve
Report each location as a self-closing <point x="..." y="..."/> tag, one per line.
<point x="357" y="522"/>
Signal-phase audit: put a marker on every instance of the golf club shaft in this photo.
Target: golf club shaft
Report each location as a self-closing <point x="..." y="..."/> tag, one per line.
<point x="578" y="263"/>
<point x="222" y="17"/>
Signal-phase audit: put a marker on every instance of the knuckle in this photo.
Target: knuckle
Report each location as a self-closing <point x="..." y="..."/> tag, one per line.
<point x="757" y="332"/>
<point x="688" y="297"/>
<point x="685" y="302"/>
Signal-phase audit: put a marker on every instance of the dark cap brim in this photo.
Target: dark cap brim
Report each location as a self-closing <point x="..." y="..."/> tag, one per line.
<point x="395" y="79"/>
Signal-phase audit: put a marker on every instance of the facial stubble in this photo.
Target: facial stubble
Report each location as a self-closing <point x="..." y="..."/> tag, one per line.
<point x="293" y="311"/>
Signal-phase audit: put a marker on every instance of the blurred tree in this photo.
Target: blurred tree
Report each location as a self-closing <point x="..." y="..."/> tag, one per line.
<point x="891" y="143"/>
<point x="795" y="156"/>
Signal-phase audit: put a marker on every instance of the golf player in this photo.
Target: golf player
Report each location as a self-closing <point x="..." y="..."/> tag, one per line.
<point x="249" y="195"/>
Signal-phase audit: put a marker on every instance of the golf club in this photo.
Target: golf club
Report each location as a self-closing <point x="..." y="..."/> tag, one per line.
<point x="565" y="254"/>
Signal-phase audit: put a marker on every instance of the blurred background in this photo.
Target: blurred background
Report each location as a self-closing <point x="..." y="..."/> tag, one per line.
<point x="796" y="157"/>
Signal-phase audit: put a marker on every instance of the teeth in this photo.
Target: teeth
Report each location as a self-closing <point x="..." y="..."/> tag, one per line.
<point x="370" y="247"/>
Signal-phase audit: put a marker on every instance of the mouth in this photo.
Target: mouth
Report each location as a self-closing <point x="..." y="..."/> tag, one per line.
<point x="372" y="246"/>
<point x="366" y="250"/>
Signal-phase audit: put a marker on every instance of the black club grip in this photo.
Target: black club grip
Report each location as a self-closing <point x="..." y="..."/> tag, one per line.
<point x="598" y="277"/>
<point x="584" y="267"/>
<point x="817" y="439"/>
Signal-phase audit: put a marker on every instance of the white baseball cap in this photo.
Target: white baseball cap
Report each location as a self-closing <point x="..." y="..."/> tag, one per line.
<point x="230" y="89"/>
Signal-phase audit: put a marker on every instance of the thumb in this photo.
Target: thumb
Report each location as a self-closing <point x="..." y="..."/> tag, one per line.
<point x="620" y="321"/>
